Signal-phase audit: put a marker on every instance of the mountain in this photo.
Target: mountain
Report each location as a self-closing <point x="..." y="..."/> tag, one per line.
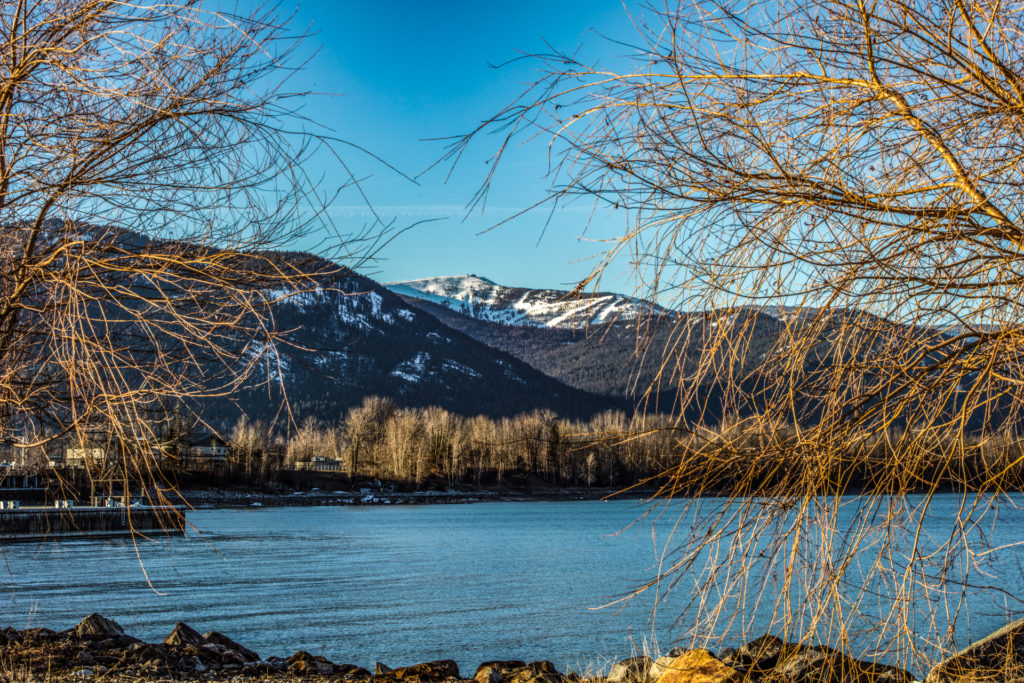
<point x="352" y="338"/>
<point x="646" y="354"/>
<point x="343" y="337"/>
<point x="622" y="359"/>
<point x="482" y="299"/>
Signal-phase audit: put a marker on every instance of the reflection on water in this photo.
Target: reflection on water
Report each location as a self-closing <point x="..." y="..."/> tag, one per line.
<point x="399" y="584"/>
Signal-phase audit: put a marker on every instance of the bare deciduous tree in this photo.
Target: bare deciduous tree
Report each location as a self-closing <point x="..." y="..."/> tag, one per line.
<point x="149" y="158"/>
<point x="833" y="190"/>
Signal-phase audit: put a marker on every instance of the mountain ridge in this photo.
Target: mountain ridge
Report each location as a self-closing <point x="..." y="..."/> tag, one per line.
<point x="357" y="338"/>
<point x="487" y="300"/>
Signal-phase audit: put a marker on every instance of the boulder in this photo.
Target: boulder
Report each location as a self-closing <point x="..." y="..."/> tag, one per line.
<point x="488" y="674"/>
<point x="808" y="665"/>
<point x="760" y="655"/>
<point x="632" y="670"/>
<point x="535" y="672"/>
<point x="505" y="666"/>
<point x="427" y="672"/>
<point x="542" y="667"/>
<point x="260" y="668"/>
<point x="304" y="664"/>
<point x="820" y="664"/>
<point x="98" y="626"/>
<point x="230" y="658"/>
<point x="182" y="635"/>
<point x="228" y="644"/>
<point x="192" y="664"/>
<point x="699" y="666"/>
<point x="144" y="652"/>
<point x="38" y="636"/>
<point x="661" y="665"/>
<point x="351" y="671"/>
<point x="277" y="663"/>
<point x="996" y="657"/>
<point x="499" y="671"/>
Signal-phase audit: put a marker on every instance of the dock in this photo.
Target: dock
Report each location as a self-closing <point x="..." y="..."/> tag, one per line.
<point x="51" y="523"/>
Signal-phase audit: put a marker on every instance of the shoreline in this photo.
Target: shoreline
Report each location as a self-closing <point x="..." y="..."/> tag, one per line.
<point x="99" y="649"/>
<point x="215" y="499"/>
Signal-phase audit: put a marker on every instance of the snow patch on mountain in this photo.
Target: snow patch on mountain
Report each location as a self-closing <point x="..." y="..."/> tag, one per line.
<point x="483" y="299"/>
<point x="455" y="366"/>
<point x="414" y="369"/>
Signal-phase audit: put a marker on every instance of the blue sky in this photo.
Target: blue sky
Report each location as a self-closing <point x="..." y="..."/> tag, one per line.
<point x="396" y="74"/>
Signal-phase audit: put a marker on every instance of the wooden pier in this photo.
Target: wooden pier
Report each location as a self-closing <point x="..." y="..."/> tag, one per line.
<point x="50" y="523"/>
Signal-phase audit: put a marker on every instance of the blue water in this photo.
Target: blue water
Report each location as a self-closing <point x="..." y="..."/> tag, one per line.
<point x="406" y="584"/>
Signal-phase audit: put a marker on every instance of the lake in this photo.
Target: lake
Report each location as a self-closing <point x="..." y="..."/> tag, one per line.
<point x="403" y="584"/>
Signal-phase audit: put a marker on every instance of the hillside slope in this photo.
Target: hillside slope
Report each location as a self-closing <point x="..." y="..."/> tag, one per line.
<point x="651" y="360"/>
<point x="354" y="338"/>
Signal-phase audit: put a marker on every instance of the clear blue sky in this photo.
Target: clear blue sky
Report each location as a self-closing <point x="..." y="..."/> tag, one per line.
<point x="403" y="72"/>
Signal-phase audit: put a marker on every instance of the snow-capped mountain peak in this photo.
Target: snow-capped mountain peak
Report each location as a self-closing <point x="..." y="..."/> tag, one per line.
<point x="484" y="299"/>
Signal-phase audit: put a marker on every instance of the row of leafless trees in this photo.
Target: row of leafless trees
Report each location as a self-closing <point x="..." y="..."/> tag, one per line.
<point x="379" y="440"/>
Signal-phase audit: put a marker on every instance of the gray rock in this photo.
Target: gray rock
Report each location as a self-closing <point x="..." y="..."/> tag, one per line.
<point x="506" y="667"/>
<point x="260" y="668"/>
<point x="196" y="665"/>
<point x="351" y="671"/>
<point x="996" y="657"/>
<point x="98" y="626"/>
<point x="632" y="670"/>
<point x="277" y="663"/>
<point x="535" y="672"/>
<point x="231" y="658"/>
<point x="806" y="666"/>
<point x="435" y="671"/>
<point x="225" y="642"/>
<point x="183" y="634"/>
<point x="542" y="667"/>
<point x="760" y="655"/>
<point x="660" y="666"/>
<point x="39" y="635"/>
<point x="304" y="664"/>
<point x="145" y="652"/>
<point x="488" y="674"/>
<point x="821" y="664"/>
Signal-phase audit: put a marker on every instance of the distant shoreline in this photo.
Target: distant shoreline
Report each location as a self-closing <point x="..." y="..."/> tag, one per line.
<point x="205" y="499"/>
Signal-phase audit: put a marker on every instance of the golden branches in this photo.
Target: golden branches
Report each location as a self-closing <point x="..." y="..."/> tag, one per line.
<point x="838" y="186"/>
<point x="149" y="160"/>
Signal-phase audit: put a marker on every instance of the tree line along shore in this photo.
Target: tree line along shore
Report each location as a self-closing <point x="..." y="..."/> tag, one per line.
<point x="381" y="447"/>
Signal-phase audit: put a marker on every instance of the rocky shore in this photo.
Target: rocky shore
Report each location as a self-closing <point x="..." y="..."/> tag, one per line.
<point x="99" y="649"/>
